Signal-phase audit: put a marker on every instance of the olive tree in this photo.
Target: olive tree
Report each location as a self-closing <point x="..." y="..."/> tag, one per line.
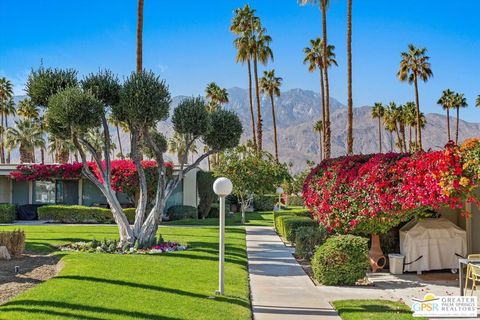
<point x="252" y="173"/>
<point x="141" y="103"/>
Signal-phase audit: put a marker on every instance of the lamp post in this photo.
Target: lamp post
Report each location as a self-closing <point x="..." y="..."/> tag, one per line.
<point x="222" y="187"/>
<point x="279" y="191"/>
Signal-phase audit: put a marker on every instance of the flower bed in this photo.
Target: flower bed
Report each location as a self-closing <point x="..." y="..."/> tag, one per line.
<point x="111" y="246"/>
<point x="372" y="193"/>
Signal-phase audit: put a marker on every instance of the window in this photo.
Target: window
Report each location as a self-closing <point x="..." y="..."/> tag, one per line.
<point x="44" y="192"/>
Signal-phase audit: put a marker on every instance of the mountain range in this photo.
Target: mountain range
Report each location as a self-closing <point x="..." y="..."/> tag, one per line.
<point x="297" y="110"/>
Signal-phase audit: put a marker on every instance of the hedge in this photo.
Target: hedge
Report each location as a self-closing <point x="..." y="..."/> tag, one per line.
<point x="7" y="213"/>
<point x="264" y="202"/>
<point x="182" y="212"/>
<point x="341" y="260"/>
<point x="297" y="212"/>
<point x="80" y="214"/>
<point x="307" y="239"/>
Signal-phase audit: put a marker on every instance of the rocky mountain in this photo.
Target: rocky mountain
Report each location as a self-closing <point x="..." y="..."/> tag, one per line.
<point x="297" y="110"/>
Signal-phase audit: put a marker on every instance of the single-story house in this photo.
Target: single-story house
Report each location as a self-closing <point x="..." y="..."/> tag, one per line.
<point x="31" y="194"/>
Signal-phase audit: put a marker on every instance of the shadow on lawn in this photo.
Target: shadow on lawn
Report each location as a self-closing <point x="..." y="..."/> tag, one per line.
<point x="76" y="307"/>
<point x="372" y="308"/>
<point x="236" y="301"/>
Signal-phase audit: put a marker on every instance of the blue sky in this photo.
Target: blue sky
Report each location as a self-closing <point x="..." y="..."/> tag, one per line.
<point x="189" y="43"/>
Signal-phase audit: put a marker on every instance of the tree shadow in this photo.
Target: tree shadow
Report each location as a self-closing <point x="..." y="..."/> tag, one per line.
<point x="78" y="307"/>
<point x="50" y="312"/>
<point x="231" y="300"/>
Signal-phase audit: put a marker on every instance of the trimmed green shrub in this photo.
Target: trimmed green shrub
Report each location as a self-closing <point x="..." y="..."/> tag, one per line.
<point x="290" y="212"/>
<point x="307" y="239"/>
<point x="341" y="260"/>
<point x="80" y="214"/>
<point x="291" y="225"/>
<point x="205" y="182"/>
<point x="182" y="212"/>
<point x="13" y="240"/>
<point x="214" y="211"/>
<point x="7" y="213"/>
<point x="265" y="202"/>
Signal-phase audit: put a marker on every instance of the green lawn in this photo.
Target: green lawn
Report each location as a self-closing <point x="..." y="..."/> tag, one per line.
<point x="372" y="310"/>
<point x="176" y="285"/>
<point x="257" y="218"/>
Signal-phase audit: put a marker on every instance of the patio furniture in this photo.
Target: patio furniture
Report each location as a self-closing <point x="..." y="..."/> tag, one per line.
<point x="432" y="244"/>
<point x="473" y="274"/>
<point x="462" y="266"/>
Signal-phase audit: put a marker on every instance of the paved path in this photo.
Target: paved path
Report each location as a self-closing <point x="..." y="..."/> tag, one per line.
<point x="280" y="288"/>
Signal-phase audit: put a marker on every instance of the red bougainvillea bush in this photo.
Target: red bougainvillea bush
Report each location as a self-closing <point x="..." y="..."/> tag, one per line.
<point x="124" y="173"/>
<point x="372" y="193"/>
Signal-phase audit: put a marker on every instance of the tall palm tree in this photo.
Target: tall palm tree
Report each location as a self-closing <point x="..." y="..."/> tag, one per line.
<point x="323" y="7"/>
<point x="459" y="102"/>
<point x="391" y="119"/>
<point x="6" y="94"/>
<point x="318" y="127"/>
<point x="349" y="66"/>
<point x="314" y="59"/>
<point x="270" y="84"/>
<point x="378" y="111"/>
<point x="261" y="53"/>
<point x="27" y="110"/>
<point x="140" y="36"/>
<point x="410" y="117"/>
<point x="114" y="122"/>
<point x="27" y="137"/>
<point x="244" y="24"/>
<point x="414" y="65"/>
<point x="177" y="145"/>
<point x="216" y="96"/>
<point x="402" y="120"/>
<point x="446" y="101"/>
<point x="8" y="110"/>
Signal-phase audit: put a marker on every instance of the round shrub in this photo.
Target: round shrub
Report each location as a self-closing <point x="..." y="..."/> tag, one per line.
<point x="182" y="212"/>
<point x="307" y="239"/>
<point x="341" y="260"/>
<point x="265" y="202"/>
<point x="7" y="213"/>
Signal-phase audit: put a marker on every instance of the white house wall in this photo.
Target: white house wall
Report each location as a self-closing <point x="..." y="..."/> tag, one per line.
<point x="190" y="189"/>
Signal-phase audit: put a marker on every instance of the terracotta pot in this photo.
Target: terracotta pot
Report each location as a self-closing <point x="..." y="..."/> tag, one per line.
<point x="377" y="259"/>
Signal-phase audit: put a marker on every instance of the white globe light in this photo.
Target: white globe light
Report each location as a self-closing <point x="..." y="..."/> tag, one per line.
<point x="279" y="190"/>
<point x="222" y="186"/>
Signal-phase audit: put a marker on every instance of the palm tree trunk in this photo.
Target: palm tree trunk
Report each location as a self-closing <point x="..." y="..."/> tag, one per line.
<point x="320" y="144"/>
<point x="350" y="99"/>
<point x="322" y="90"/>
<point x="274" y="127"/>
<point x="399" y="139"/>
<point x="252" y="115"/>
<point x="259" y="108"/>
<point x="42" y="155"/>
<point x="404" y="142"/>
<point x="140" y="36"/>
<point x="409" y="137"/>
<point x="327" y="89"/>
<point x="2" y="135"/>
<point x="380" y="133"/>
<point x="448" y="124"/>
<point x="120" y="143"/>
<point x="419" y="127"/>
<point x="6" y="129"/>
<point x="458" y="122"/>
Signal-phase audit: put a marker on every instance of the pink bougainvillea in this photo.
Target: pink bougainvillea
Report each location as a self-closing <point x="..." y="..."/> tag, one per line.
<point x="373" y="193"/>
<point x="124" y="173"/>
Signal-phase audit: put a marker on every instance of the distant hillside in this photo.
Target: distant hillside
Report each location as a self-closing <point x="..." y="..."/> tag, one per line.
<point x="297" y="111"/>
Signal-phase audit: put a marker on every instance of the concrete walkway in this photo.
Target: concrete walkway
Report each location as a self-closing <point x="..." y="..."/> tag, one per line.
<point x="280" y="288"/>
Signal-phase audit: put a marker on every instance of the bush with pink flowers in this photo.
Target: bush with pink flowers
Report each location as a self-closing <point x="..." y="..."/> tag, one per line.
<point x="372" y="193"/>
